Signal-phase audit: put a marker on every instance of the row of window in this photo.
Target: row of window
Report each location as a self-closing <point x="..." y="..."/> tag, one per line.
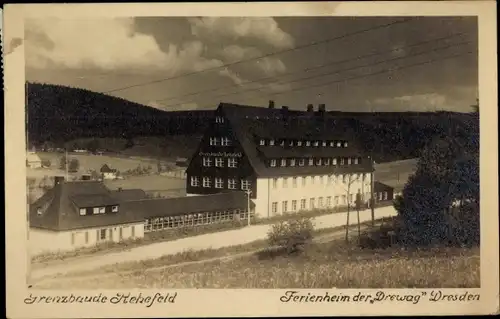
<point x="189" y="220"/>
<point x="220" y="162"/>
<point x="306" y="143"/>
<point x="232" y="183"/>
<point x="315" y="162"/>
<point x="325" y="179"/>
<point x="104" y="234"/>
<point x="220" y="141"/>
<point x="322" y="202"/>
<point x="97" y="210"/>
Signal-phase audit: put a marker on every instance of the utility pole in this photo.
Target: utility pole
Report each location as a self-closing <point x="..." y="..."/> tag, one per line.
<point x="372" y="199"/>
<point x="248" y="192"/>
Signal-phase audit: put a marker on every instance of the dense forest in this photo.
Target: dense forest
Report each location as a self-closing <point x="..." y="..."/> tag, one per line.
<point x="59" y="114"/>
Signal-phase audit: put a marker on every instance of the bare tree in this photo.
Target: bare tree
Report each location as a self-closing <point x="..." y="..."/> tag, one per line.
<point x="347" y="182"/>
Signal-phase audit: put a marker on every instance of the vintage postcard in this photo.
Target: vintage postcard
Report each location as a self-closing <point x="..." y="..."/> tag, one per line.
<point x="251" y="159"/>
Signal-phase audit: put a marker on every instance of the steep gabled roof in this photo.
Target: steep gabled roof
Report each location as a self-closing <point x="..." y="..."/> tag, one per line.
<point x="249" y="123"/>
<point x="106" y="169"/>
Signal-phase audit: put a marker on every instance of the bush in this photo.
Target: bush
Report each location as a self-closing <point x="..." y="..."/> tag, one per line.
<point x="46" y="163"/>
<point x="292" y="235"/>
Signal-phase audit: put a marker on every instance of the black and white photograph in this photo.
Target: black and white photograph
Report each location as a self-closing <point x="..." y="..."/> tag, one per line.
<point x="253" y="152"/>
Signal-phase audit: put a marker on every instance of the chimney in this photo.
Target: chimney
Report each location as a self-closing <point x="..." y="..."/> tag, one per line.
<point x="284" y="108"/>
<point x="271" y="104"/>
<point x="310" y="108"/>
<point x="58" y="180"/>
<point x="322" y="108"/>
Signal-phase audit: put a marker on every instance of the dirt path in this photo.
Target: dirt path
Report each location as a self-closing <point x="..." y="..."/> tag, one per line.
<point x="324" y="238"/>
<point x="207" y="241"/>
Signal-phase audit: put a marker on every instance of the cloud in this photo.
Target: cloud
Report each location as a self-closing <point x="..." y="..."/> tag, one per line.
<point x="262" y="28"/>
<point x="418" y="102"/>
<point x="181" y="107"/>
<point x="108" y="44"/>
<point x="268" y="65"/>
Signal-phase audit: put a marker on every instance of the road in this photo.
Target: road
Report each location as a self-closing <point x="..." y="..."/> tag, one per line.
<point x="208" y="241"/>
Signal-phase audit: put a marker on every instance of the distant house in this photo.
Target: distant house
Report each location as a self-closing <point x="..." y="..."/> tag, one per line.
<point x="84" y="213"/>
<point x="107" y="172"/>
<point x="383" y="192"/>
<point x="33" y="160"/>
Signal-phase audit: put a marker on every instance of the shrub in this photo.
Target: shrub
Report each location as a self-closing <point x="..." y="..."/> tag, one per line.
<point x="291" y="235"/>
<point x="46" y="163"/>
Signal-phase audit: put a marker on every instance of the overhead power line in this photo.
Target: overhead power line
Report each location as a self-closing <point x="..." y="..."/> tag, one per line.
<point x="335" y="72"/>
<point x="263" y="56"/>
<point x="370" y="74"/>
<point x="312" y="68"/>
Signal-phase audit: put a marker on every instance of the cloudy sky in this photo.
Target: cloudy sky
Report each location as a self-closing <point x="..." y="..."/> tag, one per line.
<point x="424" y="64"/>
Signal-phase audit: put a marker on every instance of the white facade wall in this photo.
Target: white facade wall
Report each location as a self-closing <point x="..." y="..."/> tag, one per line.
<point x="109" y="175"/>
<point x="42" y="241"/>
<point x="306" y="188"/>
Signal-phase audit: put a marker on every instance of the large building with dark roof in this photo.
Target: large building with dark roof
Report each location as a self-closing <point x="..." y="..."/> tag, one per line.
<point x="84" y="213"/>
<point x="286" y="160"/>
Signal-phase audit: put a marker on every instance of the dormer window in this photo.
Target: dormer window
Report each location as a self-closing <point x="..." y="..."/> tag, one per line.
<point x="292" y="162"/>
<point x="334" y="161"/>
<point x="291" y="143"/>
<point x="102" y="210"/>
<point x="95" y="210"/>
<point x="357" y="160"/>
<point x="83" y="211"/>
<point x="326" y="162"/>
<point x="301" y="162"/>
<point x="39" y="211"/>
<point x="282" y="143"/>
<point x="271" y="142"/>
<point x="349" y="161"/>
<point x="299" y="143"/>
<point x="114" y="209"/>
<point x="308" y="143"/>
<point x="311" y="162"/>
<point x="339" y="144"/>
<point x="342" y="161"/>
<point x="332" y="144"/>
<point x="273" y="163"/>
<point x="323" y="143"/>
<point x="262" y="142"/>
<point x="318" y="161"/>
<point x="283" y="162"/>
<point x="316" y="143"/>
<point x="345" y="144"/>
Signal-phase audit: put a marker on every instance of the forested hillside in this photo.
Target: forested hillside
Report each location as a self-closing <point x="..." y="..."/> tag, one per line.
<point x="59" y="114"/>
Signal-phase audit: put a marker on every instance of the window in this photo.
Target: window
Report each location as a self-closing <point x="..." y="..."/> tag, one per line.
<point x="275" y="207"/>
<point x="324" y="179"/>
<point x="345" y="144"/>
<point x="294" y="205"/>
<point x="342" y="162"/>
<point x="332" y="144"/>
<point x="285" y="182"/>
<point x="354" y="177"/>
<point x="121" y="233"/>
<point x="219" y="162"/>
<point x="86" y="237"/>
<point x="320" y="202"/>
<point x="344" y="199"/>
<point x="231" y="183"/>
<point x="345" y="179"/>
<point x="308" y="143"/>
<point x="303" y="204"/>
<point x="291" y="143"/>
<point x="385" y="196"/>
<point x="294" y="182"/>
<point x="316" y="143"/>
<point x="341" y="178"/>
<point x="262" y="142"/>
<point x="303" y="181"/>
<point x="102" y="235"/>
<point x="329" y="201"/>
<point x="271" y="142"/>
<point x="219" y="119"/>
<point x="292" y="162"/>
<point x="213" y="141"/>
<point x="273" y="163"/>
<point x="102" y="210"/>
<point x="299" y="143"/>
<point x="245" y="184"/>
<point x="349" y="162"/>
<point x="318" y="161"/>
<point x="339" y="144"/>
<point x="275" y="183"/>
<point x="283" y="162"/>
<point x="72" y="239"/>
<point x="39" y="211"/>
<point x="114" y="209"/>
<point x="206" y="182"/>
<point x="83" y="211"/>
<point x="225" y="141"/>
<point x="336" y="200"/>
<point x="231" y="162"/>
<point x="301" y="162"/>
<point x="311" y="203"/>
<point x="356" y="161"/>
<point x="311" y="162"/>
<point x="207" y="161"/>
<point x="326" y="162"/>
<point x="282" y="143"/>
<point x="96" y="210"/>
<point x="334" y="161"/>
<point x="284" y="206"/>
<point x="195" y="181"/>
<point x="218" y="182"/>
<point x="323" y="143"/>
